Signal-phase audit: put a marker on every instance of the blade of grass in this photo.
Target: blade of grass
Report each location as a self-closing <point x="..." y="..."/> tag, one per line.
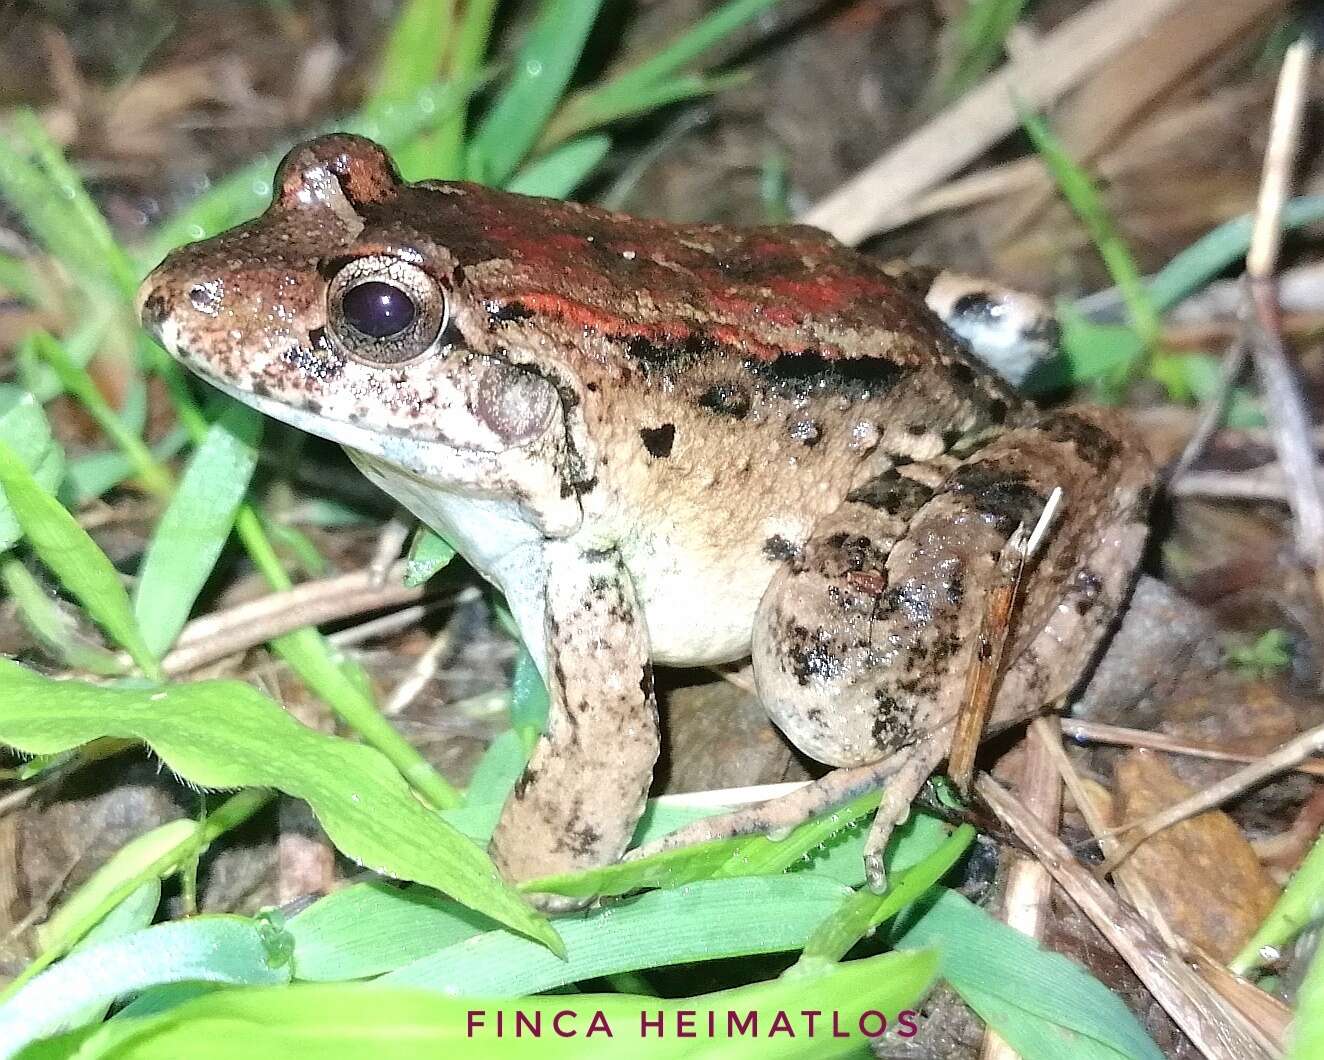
<point x="557" y="173"/>
<point x="195" y="526"/>
<point x="74" y="558"/>
<point x="225" y="949"/>
<point x="591" y="112"/>
<point x="24" y="428"/>
<point x="415" y="49"/>
<point x="226" y="734"/>
<point x="1300" y="905"/>
<point x="86" y="221"/>
<point x="542" y="69"/>
<point x="864" y="910"/>
<point x="149" y="858"/>
<point x="51" y="627"/>
<point x="981" y="30"/>
<point x="704" y="921"/>
<point x="1084" y="199"/>
<point x="616" y="95"/>
<point x="343" y="1021"/>
<point x="446" y="145"/>
<point x="74" y="378"/>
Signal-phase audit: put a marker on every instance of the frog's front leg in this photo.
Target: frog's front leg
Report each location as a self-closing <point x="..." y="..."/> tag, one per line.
<point x="585" y="786"/>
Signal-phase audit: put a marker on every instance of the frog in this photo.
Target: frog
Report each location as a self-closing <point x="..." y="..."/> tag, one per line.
<point x="689" y="445"/>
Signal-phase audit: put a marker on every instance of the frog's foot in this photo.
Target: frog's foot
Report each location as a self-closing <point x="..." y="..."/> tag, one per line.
<point x="586" y="783"/>
<point x="894" y="807"/>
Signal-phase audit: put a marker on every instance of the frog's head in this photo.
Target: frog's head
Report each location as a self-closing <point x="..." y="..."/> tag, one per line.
<point x="336" y="311"/>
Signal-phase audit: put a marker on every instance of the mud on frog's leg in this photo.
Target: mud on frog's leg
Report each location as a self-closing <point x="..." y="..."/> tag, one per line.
<point x="864" y="640"/>
<point x="586" y="783"/>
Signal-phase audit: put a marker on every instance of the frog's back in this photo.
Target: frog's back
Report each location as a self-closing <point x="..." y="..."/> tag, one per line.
<point x="669" y="291"/>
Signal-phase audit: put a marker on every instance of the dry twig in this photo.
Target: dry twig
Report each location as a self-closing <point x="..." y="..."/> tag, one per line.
<point x="1117" y="735"/>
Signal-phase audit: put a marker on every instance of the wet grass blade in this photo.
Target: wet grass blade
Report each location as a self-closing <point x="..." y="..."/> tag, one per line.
<point x="23" y="427"/>
<point x="414" y="52"/>
<point x="560" y="171"/>
<point x="52" y="628"/>
<point x="74" y="558"/>
<point x="225" y="734"/>
<point x="75" y="379"/>
<point x="195" y="526"/>
<point x="542" y="69"/>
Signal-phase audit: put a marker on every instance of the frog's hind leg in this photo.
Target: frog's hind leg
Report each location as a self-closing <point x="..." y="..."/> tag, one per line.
<point x="864" y="639"/>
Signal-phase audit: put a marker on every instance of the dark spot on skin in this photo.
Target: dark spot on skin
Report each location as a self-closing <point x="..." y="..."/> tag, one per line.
<point x="646" y="683"/>
<point x="727" y="399"/>
<point x="812" y="655"/>
<point x="891" y="493"/>
<point x="984" y="649"/>
<point x="506" y="312"/>
<point x="892" y="728"/>
<point x="997" y="410"/>
<point x="581" y="840"/>
<point x="799" y="373"/>
<point x="950" y="437"/>
<point x="917" y="430"/>
<point x="526" y="778"/>
<point x="317" y="339"/>
<point x="457" y="275"/>
<point x="328" y="267"/>
<point x="1096" y="446"/>
<point x="659" y="440"/>
<point x="592" y="388"/>
<point x="260" y="388"/>
<point x="1145" y="498"/>
<point x="999" y="493"/>
<point x="313" y="405"/>
<point x="667" y="353"/>
<point x="962" y="373"/>
<point x="779" y="549"/>
<point x="597" y="555"/>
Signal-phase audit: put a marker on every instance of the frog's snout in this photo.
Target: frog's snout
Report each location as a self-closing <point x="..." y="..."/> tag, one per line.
<point x="152" y="306"/>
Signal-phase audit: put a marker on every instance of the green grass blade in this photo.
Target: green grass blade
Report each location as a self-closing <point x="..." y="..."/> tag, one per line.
<point x="444" y="151"/>
<point x="143" y="861"/>
<point x="560" y="171"/>
<point x="864" y="911"/>
<point x="541" y="71"/>
<point x="224" y="734"/>
<point x="716" y="859"/>
<point x="1308" y="1025"/>
<point x="1041" y="1003"/>
<point x="981" y="31"/>
<point x="51" y="627"/>
<point x="195" y="526"/>
<point x="324" y="671"/>
<point x="86" y="221"/>
<point x="219" y="949"/>
<point x="371" y="928"/>
<point x="1300" y="905"/>
<point x="24" y="429"/>
<point x="344" y="1021"/>
<point x="1084" y="199"/>
<point x="75" y="379"/>
<point x="704" y="921"/>
<point x="429" y="552"/>
<point x="591" y="111"/>
<point x="414" y="50"/>
<point x="617" y="93"/>
<point x="73" y="557"/>
<point x="1225" y="245"/>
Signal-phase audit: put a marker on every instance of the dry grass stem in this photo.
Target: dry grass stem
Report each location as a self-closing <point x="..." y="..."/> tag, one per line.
<point x="1117" y="735"/>
<point x="870" y="200"/>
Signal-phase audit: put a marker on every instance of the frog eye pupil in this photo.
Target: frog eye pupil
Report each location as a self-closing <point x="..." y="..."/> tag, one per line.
<point x="378" y="310"/>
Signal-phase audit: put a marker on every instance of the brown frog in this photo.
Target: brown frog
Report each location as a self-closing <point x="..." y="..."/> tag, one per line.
<point x="674" y="444"/>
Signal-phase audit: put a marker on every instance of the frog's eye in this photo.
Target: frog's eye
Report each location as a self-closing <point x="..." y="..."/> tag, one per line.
<point x="383" y="310"/>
